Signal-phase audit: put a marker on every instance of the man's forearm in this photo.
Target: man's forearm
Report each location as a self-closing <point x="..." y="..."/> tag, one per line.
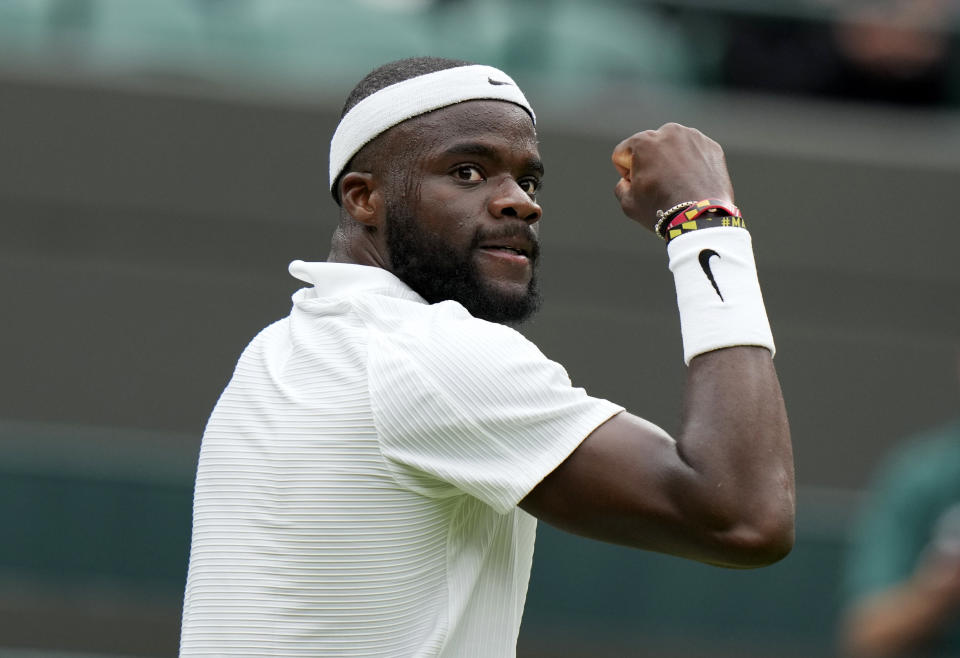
<point x="736" y="440"/>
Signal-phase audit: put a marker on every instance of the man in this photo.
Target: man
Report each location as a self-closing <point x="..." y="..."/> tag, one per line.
<point x="902" y="577"/>
<point x="369" y="479"/>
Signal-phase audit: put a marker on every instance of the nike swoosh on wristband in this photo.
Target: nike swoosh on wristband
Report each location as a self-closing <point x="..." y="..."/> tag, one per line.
<point x="497" y="82"/>
<point x="705" y="264"/>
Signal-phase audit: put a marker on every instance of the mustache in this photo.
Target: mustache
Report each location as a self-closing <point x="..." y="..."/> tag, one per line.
<point x="512" y="230"/>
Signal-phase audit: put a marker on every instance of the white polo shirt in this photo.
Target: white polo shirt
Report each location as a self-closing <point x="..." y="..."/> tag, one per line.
<point x="359" y="477"/>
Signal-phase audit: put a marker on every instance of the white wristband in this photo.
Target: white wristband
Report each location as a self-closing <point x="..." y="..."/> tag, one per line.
<point x="718" y="293"/>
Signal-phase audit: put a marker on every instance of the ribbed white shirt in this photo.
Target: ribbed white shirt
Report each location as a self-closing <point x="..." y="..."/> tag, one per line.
<point x="358" y="479"/>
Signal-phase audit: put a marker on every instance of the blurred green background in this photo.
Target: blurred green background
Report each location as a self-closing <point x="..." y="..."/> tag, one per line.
<point x="162" y="161"/>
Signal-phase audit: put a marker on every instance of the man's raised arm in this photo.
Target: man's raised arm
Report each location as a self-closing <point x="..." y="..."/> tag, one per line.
<point x="722" y="491"/>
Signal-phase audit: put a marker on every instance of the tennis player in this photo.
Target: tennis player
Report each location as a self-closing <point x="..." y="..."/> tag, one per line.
<point x="370" y="479"/>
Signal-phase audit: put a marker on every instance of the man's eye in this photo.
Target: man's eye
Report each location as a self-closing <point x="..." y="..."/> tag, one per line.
<point x="529" y="185"/>
<point x="468" y="173"/>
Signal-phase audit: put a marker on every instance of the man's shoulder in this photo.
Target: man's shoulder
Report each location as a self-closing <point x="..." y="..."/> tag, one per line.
<point x="442" y="346"/>
<point x="448" y="327"/>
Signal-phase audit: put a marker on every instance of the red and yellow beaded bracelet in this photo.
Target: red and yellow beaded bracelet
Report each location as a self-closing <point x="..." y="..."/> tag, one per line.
<point x="693" y="215"/>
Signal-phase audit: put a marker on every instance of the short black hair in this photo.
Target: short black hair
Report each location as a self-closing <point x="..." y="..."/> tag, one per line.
<point x="393" y="72"/>
<point x="384" y="76"/>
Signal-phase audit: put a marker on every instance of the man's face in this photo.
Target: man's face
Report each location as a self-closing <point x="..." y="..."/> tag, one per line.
<point x="462" y="216"/>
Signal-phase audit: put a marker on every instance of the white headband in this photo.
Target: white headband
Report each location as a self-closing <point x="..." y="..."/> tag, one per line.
<point x="409" y="98"/>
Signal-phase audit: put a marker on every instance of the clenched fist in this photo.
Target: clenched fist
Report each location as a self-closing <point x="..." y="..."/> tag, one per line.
<point x="661" y="168"/>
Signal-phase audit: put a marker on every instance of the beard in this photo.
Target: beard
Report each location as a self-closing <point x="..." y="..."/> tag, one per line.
<point x="438" y="272"/>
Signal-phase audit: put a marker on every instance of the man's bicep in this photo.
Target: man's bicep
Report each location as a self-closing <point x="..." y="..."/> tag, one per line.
<point x="622" y="484"/>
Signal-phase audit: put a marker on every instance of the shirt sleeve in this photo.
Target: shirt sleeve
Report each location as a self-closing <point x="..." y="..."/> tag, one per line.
<point x="464" y="405"/>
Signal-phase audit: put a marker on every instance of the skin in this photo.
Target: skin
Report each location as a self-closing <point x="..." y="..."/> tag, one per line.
<point x="478" y="179"/>
<point x="722" y="490"/>
<point x="904" y="617"/>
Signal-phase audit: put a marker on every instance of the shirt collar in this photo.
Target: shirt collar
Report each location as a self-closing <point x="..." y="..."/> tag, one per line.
<point x="345" y="279"/>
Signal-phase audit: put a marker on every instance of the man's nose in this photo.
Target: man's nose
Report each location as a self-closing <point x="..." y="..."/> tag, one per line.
<point x="511" y="200"/>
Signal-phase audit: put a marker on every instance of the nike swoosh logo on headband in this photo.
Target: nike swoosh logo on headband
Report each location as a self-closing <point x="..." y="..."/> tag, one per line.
<point x="497" y="82"/>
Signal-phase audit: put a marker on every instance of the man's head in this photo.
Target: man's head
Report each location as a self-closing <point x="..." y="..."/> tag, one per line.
<point x="444" y="198"/>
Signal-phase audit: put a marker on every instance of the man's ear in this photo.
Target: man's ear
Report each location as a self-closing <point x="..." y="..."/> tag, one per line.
<point x="361" y="198"/>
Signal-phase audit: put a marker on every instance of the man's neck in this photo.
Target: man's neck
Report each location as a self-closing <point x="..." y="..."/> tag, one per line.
<point x="356" y="247"/>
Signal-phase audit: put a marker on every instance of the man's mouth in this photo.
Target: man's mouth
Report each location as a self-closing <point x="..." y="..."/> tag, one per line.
<point x="508" y="249"/>
<point x="513" y="243"/>
<point x="509" y="255"/>
<point x="510" y="245"/>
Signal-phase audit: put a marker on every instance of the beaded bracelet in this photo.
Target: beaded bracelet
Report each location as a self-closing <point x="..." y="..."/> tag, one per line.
<point x="704" y="222"/>
<point x="699" y="208"/>
<point x="664" y="216"/>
